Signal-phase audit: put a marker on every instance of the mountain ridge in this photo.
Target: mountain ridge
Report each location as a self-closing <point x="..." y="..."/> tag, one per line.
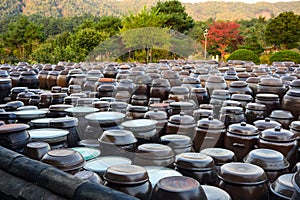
<point x="199" y="11"/>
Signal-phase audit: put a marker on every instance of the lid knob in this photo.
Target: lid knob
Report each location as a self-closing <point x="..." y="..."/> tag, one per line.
<point x="267" y="119"/>
<point x="181" y="114"/>
<point x="277" y="128"/>
<point x="210" y="117"/>
<point x="155" y="110"/>
<point x="243" y="124"/>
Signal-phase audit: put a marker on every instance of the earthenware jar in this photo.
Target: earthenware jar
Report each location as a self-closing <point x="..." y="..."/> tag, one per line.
<point x="271" y="101"/>
<point x="58" y="98"/>
<point x="241" y="139"/>
<point x="266" y="123"/>
<point x="179" y="143"/>
<point x="89" y="176"/>
<point x="217" y="99"/>
<point x="136" y="112"/>
<point x="162" y="119"/>
<point x="130" y="179"/>
<point x="243" y="181"/>
<point x="153" y="154"/>
<point x="52" y="78"/>
<point x="282" y="188"/>
<point x="139" y="100"/>
<point x="215" y="82"/>
<point x="240" y="87"/>
<point x="209" y="133"/>
<point x="5" y="87"/>
<point x="36" y="150"/>
<point x="244" y="99"/>
<point x="181" y="124"/>
<point x="160" y="88"/>
<point x="291" y="102"/>
<point x="231" y="115"/>
<point x="179" y="93"/>
<point x="215" y="193"/>
<point x="14" y="76"/>
<point x="252" y="83"/>
<point x="42" y="77"/>
<point x="15" y="91"/>
<point x="178" y="187"/>
<point x="28" y="79"/>
<point x="272" y="86"/>
<point x="198" y="166"/>
<point x="58" y="110"/>
<point x="272" y="161"/>
<point x="183" y="106"/>
<point x="254" y="112"/>
<point x="281" y="140"/>
<point x="62" y="78"/>
<point x="199" y="96"/>
<point x="284" y="117"/>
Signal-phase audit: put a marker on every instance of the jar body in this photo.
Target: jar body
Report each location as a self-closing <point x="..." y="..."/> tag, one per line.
<point x="205" y="138"/>
<point x="204" y="177"/>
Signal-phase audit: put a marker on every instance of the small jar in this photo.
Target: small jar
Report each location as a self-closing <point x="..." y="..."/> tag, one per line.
<point x="284" y="117"/>
<point x="5" y="87"/>
<point x="199" y="96"/>
<point x="139" y="100"/>
<point x="178" y="143"/>
<point x="231" y="115"/>
<point x="240" y="87"/>
<point x="136" y="112"/>
<point x="215" y="82"/>
<point x="162" y="119"/>
<point x="198" y="166"/>
<point x="58" y="98"/>
<point x="184" y="106"/>
<point x="271" y="101"/>
<point x="243" y="181"/>
<point x="160" y="88"/>
<point x="36" y="150"/>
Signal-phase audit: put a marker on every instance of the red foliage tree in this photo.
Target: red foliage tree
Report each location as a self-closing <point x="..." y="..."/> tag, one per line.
<point x="222" y="36"/>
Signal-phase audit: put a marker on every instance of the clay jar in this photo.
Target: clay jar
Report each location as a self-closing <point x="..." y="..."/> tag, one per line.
<point x="284" y="117"/>
<point x="254" y="112"/>
<point x="199" y="96"/>
<point x="130" y="179"/>
<point x="160" y="88"/>
<point x="266" y="124"/>
<point x="241" y="139"/>
<point x="283" y="187"/>
<point x="272" y="86"/>
<point x="162" y="119"/>
<point x="117" y="143"/>
<point x="178" y="107"/>
<point x="51" y="79"/>
<point x="273" y="162"/>
<point x="240" y="87"/>
<point x="28" y="79"/>
<point x="178" y="143"/>
<point x="271" y="101"/>
<point x="153" y="154"/>
<point x="281" y="140"/>
<point x="231" y="115"/>
<point x="215" y="82"/>
<point x="181" y="124"/>
<point x="291" y="102"/>
<point x="209" y="133"/>
<point x="178" y="187"/>
<point x="5" y="87"/>
<point x="179" y="93"/>
<point x="243" y="181"/>
<point x="198" y="166"/>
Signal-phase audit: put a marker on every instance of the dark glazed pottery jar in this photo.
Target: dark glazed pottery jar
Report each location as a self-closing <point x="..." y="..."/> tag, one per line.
<point x="178" y="188"/>
<point x="179" y="143"/>
<point x="271" y="101"/>
<point x="281" y="140"/>
<point x="284" y="117"/>
<point x="291" y="102"/>
<point x="130" y="179"/>
<point x="199" y="96"/>
<point x="272" y="86"/>
<point x="160" y="88"/>
<point x="28" y="79"/>
<point x="198" y="166"/>
<point x="209" y="133"/>
<point x="282" y="188"/>
<point x="241" y="139"/>
<point x="36" y="150"/>
<point x="254" y="112"/>
<point x="5" y="87"/>
<point x="183" y="106"/>
<point x="215" y="82"/>
<point x="267" y="123"/>
<point x="243" y="181"/>
<point x="273" y="162"/>
<point x="89" y="176"/>
<point x="162" y="119"/>
<point x="240" y="87"/>
<point x="231" y="115"/>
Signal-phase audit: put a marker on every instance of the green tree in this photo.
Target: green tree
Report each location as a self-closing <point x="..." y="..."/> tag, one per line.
<point x="109" y="24"/>
<point x="283" y="31"/>
<point x="244" y="54"/>
<point x="285" y="55"/>
<point x="22" y="37"/>
<point x="174" y="15"/>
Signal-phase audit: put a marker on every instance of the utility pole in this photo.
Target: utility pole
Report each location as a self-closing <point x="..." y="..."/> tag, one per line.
<point x="205" y="42"/>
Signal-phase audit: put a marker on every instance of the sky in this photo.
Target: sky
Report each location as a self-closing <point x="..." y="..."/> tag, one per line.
<point x="245" y="1"/>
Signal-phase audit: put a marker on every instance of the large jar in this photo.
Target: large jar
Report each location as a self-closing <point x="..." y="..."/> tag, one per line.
<point x="5" y="87"/>
<point x="179" y="93"/>
<point x="244" y="99"/>
<point x="181" y="124"/>
<point x="240" y="87"/>
<point x="15" y="91"/>
<point x="52" y="78"/>
<point x="191" y="82"/>
<point x="284" y="117"/>
<point x="231" y="115"/>
<point x="28" y="79"/>
<point x="117" y="143"/>
<point x="272" y="86"/>
<point x="143" y="129"/>
<point x="130" y="179"/>
<point x="291" y="102"/>
<point x="162" y="119"/>
<point x="198" y="166"/>
<point x="271" y="101"/>
<point x="243" y="181"/>
<point x="254" y="112"/>
<point x="62" y="78"/>
<point x="199" y="96"/>
<point x="160" y="88"/>
<point x="42" y="77"/>
<point x="209" y="133"/>
<point x="281" y="140"/>
<point x="153" y="154"/>
<point x="106" y="91"/>
<point x="272" y="162"/>
<point x="217" y="99"/>
<point x="77" y="79"/>
<point x="215" y="82"/>
<point x="178" y="143"/>
<point x="241" y="139"/>
<point x="178" y="107"/>
<point x="253" y="82"/>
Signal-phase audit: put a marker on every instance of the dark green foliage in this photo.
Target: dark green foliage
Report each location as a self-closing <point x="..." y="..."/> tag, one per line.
<point x="244" y="54"/>
<point x="285" y="55"/>
<point x="284" y="30"/>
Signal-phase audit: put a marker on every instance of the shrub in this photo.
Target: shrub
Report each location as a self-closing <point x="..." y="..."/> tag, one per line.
<point x="245" y="55"/>
<point x="264" y="59"/>
<point x="285" y="55"/>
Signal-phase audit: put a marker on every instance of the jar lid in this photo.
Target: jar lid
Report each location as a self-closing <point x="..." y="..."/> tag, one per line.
<point x="87" y="153"/>
<point x="266" y="124"/>
<point x="5" y="80"/>
<point x="274" y="82"/>
<point x="267" y="159"/>
<point x="231" y="103"/>
<point x="81" y="110"/>
<point x="30" y="114"/>
<point x="47" y="133"/>
<point x="283" y="186"/>
<point x="22" y="108"/>
<point x="106" y="117"/>
<point x="182" y="119"/>
<point x="238" y="84"/>
<point x="267" y="97"/>
<point x="156" y="115"/>
<point x="126" y="174"/>
<point x="59" y="107"/>
<point x="12" y="128"/>
<point x="232" y="110"/>
<point x="89" y="176"/>
<point x="215" y="79"/>
<point x="242" y="97"/>
<point x="100" y="165"/>
<point x="210" y="124"/>
<point x="156" y="173"/>
<point x="139" y="97"/>
<point x="118" y="105"/>
<point x="117" y="137"/>
<point x="176" y="141"/>
<point x="137" y="125"/>
<point x="220" y="155"/>
<point x="101" y="104"/>
<point x="256" y="106"/>
<point x="277" y="134"/>
<point x="243" y="129"/>
<point x="137" y="108"/>
<point x="215" y="193"/>
<point x="154" y="150"/>
<point x="194" y="161"/>
<point x="42" y="122"/>
<point x="63" y="122"/>
<point x="13" y="105"/>
<point x="59" y="95"/>
<point x="64" y="159"/>
<point x="295" y="125"/>
<point x="182" y="105"/>
<point x="281" y="114"/>
<point x="179" y="184"/>
<point x="178" y="90"/>
<point x="242" y="173"/>
<point x="293" y="92"/>
<point x="160" y="83"/>
<point x="198" y="90"/>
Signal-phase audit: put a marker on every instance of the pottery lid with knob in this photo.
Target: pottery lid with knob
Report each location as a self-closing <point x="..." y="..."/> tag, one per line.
<point x="220" y="155"/>
<point x="210" y="124"/>
<point x="182" y="119"/>
<point x="277" y="134"/>
<point x="243" y="129"/>
<point x="194" y="161"/>
<point x="266" y="124"/>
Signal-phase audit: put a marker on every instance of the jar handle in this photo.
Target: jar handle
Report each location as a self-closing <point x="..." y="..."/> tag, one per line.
<point x="238" y="145"/>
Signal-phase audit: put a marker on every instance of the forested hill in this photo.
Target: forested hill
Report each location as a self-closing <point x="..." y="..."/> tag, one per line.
<point x="199" y="11"/>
